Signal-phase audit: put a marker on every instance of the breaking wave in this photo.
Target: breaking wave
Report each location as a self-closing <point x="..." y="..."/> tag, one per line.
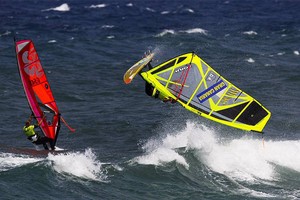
<point x="98" y="6"/>
<point x="250" y="33"/>
<point x="188" y="31"/>
<point x="196" y="30"/>
<point x="9" y="161"/>
<point x="62" y="8"/>
<point x="83" y="165"/>
<point x="242" y="159"/>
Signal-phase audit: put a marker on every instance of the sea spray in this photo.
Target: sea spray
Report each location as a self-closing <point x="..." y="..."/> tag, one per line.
<point x="10" y="161"/>
<point x="159" y="151"/>
<point x="84" y="165"/>
<point x="240" y="159"/>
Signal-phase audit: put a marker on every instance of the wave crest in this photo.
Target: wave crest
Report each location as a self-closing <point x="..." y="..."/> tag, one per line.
<point x="62" y="8"/>
<point x="83" y="165"/>
<point x="242" y="159"/>
<point x="188" y="31"/>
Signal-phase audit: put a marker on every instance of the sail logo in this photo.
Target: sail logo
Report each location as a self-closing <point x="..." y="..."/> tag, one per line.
<point x="211" y="91"/>
<point x="31" y="69"/>
<point x="211" y="77"/>
<point x="182" y="69"/>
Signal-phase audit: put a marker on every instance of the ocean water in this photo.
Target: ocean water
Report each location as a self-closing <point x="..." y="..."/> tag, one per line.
<point x="128" y="145"/>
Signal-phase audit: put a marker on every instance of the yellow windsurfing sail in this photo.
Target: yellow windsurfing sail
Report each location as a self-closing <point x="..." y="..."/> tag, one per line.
<point x="191" y="82"/>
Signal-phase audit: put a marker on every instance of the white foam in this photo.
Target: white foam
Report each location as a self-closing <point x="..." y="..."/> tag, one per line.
<point x="117" y="167"/>
<point x="107" y="26"/>
<point x="188" y="31"/>
<point x="163" y="150"/>
<point x="296" y="53"/>
<point x="110" y="37"/>
<point x="165" y="12"/>
<point x="189" y="10"/>
<point x="280" y="53"/>
<point x="250" y="60"/>
<point x="83" y="165"/>
<point x="242" y="159"/>
<point x="160" y="151"/>
<point x="283" y="153"/>
<point x="150" y="9"/>
<point x="165" y="32"/>
<point x="5" y="33"/>
<point x="98" y="6"/>
<point x="255" y="193"/>
<point x="195" y="30"/>
<point x="161" y="156"/>
<point x="9" y="161"/>
<point x="62" y="8"/>
<point x="247" y="159"/>
<point x="52" y="41"/>
<point x="250" y="33"/>
<point x="129" y="4"/>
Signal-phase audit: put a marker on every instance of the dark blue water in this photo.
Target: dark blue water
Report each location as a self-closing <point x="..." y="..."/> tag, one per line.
<point x="129" y="146"/>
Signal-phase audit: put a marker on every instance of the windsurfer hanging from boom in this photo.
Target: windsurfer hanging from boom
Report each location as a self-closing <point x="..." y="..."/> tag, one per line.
<point x="34" y="137"/>
<point x="152" y="91"/>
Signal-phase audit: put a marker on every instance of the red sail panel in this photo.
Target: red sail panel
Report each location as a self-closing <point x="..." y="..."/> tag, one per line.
<point x="37" y="89"/>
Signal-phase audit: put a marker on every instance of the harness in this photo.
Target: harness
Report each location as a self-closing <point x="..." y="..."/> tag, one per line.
<point x="33" y="138"/>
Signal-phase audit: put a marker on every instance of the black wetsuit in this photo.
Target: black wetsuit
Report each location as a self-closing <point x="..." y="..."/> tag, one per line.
<point x="42" y="140"/>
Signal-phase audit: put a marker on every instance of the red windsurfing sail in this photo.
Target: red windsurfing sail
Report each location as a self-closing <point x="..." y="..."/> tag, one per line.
<point x="37" y="89"/>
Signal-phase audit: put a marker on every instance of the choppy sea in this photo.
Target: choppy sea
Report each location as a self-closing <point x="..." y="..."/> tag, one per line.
<point x="129" y="146"/>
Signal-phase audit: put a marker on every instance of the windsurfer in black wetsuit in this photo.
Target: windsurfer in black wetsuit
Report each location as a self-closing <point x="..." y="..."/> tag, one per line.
<point x="34" y="137"/>
<point x="152" y="91"/>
